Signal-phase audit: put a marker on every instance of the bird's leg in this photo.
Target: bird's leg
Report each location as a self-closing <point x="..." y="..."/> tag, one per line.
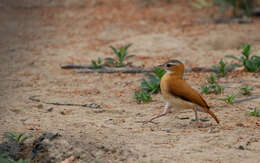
<point x="165" y="111"/>
<point x="196" y="115"/>
<point x="197" y="121"/>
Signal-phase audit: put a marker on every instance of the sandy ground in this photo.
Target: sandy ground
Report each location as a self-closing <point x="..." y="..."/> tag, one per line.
<point x="37" y="37"/>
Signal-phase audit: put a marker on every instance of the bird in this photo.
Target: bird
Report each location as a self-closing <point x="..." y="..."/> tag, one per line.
<point x="178" y="94"/>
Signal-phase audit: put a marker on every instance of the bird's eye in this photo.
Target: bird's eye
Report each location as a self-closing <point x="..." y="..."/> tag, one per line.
<point x="168" y="65"/>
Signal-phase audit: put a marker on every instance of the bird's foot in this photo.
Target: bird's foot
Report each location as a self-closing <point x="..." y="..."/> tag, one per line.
<point x="198" y="124"/>
<point x="155" y="117"/>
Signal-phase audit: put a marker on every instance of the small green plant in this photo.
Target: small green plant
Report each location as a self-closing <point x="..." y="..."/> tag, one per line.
<point x="229" y="99"/>
<point x="121" y="55"/>
<point x="212" y="87"/>
<point x="246" y="90"/>
<point x="244" y="7"/>
<point x="142" y="96"/>
<point x="222" y="68"/>
<point x="16" y="137"/>
<point x="150" y="86"/>
<point x="199" y="4"/>
<point x="159" y="72"/>
<point x="96" y="64"/>
<point x="205" y="89"/>
<point x="251" y="64"/>
<point x="255" y="113"/>
<point x="5" y="158"/>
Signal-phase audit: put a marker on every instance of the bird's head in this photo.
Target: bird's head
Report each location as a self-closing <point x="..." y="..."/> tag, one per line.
<point x="174" y="67"/>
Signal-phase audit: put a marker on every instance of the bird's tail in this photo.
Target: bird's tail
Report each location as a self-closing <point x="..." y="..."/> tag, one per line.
<point x="212" y="115"/>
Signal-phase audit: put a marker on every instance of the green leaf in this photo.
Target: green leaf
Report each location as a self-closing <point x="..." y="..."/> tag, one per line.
<point x="152" y="85"/>
<point x="218" y="89"/>
<point x="122" y="52"/>
<point x="205" y="89"/>
<point x="246" y="49"/>
<point x="25" y="138"/>
<point x="121" y="55"/>
<point x="159" y="72"/>
<point x="251" y="66"/>
<point x="111" y="61"/>
<point x="94" y="64"/>
<point x="127" y="46"/>
<point x="9" y="138"/>
<point x="13" y="133"/>
<point x="201" y="4"/>
<point x="211" y="79"/>
<point x="246" y="90"/>
<point x="255" y="113"/>
<point x="19" y="136"/>
<point x="99" y="60"/>
<point x="228" y="99"/>
<point x="142" y="96"/>
<point x="233" y="57"/>
<point x="130" y="56"/>
<point x="115" y="51"/>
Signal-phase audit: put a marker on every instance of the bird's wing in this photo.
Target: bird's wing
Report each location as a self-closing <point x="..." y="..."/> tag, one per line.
<point x="181" y="89"/>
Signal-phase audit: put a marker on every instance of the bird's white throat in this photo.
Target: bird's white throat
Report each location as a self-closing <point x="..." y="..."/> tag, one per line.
<point x="168" y="72"/>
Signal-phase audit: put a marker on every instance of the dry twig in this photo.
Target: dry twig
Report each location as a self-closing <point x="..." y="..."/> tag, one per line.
<point x="246" y="99"/>
<point x="90" y="105"/>
<point x="87" y="69"/>
<point x="243" y="20"/>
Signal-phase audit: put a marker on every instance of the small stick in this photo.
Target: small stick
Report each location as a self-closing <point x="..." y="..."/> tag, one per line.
<point x="244" y="20"/>
<point x="87" y="69"/>
<point x="72" y="66"/>
<point x="246" y="99"/>
<point x="133" y="70"/>
<point x="106" y="69"/>
<point x="91" y="105"/>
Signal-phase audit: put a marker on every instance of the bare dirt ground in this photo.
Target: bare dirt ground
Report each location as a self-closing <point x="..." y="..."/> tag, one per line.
<point x="37" y="37"/>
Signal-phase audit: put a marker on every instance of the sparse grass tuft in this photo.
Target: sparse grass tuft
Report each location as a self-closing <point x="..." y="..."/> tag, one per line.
<point x="222" y="68"/>
<point x="16" y="137"/>
<point x="96" y="64"/>
<point x="121" y="56"/>
<point x="199" y="4"/>
<point x="212" y="87"/>
<point x="251" y="64"/>
<point x="142" y="96"/>
<point x="150" y="86"/>
<point x="229" y="99"/>
<point x="246" y="90"/>
<point x="159" y="72"/>
<point x="255" y="113"/>
<point x="13" y="138"/>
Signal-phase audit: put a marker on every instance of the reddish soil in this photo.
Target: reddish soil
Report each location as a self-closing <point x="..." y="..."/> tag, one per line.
<point x="38" y="36"/>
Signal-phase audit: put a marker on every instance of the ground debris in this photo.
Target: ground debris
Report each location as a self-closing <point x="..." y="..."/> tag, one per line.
<point x="90" y="105"/>
<point x="87" y="69"/>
